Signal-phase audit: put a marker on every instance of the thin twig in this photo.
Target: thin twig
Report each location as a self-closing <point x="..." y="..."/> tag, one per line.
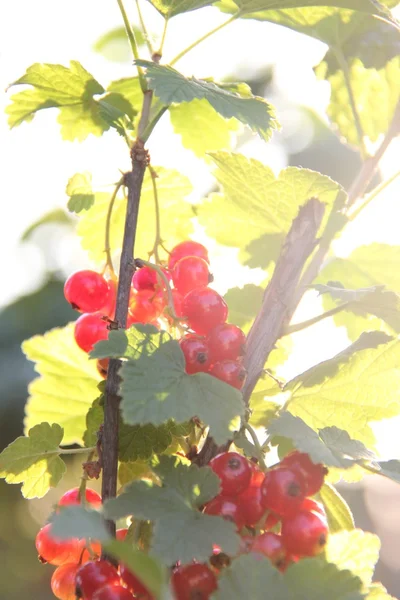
<point x="107" y="248"/>
<point x="354" y="214"/>
<point x="133" y="45"/>
<point x="257" y="445"/>
<point x="304" y="324"/>
<point x="144" y="29"/>
<point x="157" y="241"/>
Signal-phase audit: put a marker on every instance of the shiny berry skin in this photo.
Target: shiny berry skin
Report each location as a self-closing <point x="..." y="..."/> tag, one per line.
<point x="230" y="371"/>
<point x="63" y="582"/>
<point x="226" y="341"/>
<point x="195" y="351"/>
<point x="112" y="592"/>
<point x="120" y="534"/>
<point x="305" y="533"/>
<point x="283" y="491"/>
<point x="145" y="306"/>
<point x="204" y="309"/>
<point x="178" y="303"/>
<point x="272" y="546"/>
<point x="189" y="273"/>
<point x="90" y="328"/>
<point x="250" y="500"/>
<point x="94" y="575"/>
<point x="271" y="520"/>
<point x="147" y="278"/>
<point x="72" y="497"/>
<point x="226" y="507"/>
<point x="56" y="551"/>
<point x="193" y="582"/>
<point x="312" y="505"/>
<point x="314" y="474"/>
<point x="86" y="291"/>
<point x="234" y="472"/>
<point x="132" y="582"/>
<point x="188" y="248"/>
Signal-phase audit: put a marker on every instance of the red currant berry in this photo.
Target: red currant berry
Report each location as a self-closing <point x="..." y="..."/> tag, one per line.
<point x="86" y="291"/>
<point x="132" y="582"/>
<point x="94" y="575"/>
<point x="204" y="309"/>
<point x="250" y="500"/>
<point x="189" y="273"/>
<point x="63" y="582"/>
<point x="90" y="328"/>
<point x="226" y="507"/>
<point x="72" y="497"/>
<point x="145" y="306"/>
<point x="283" y="491"/>
<point x="187" y="248"/>
<point x="109" y="307"/>
<point x="305" y="533"/>
<point x="230" y="371"/>
<point x="147" y="278"/>
<point x="272" y="546"/>
<point x="313" y="474"/>
<point x="234" y="472"/>
<point x="95" y="549"/>
<point x="312" y="505"/>
<point x="195" y="351"/>
<point x="271" y="520"/>
<point x="120" y="534"/>
<point x="112" y="592"/>
<point x="178" y="303"/>
<point x="56" y="551"/>
<point x="193" y="582"/>
<point x="102" y="367"/>
<point x="226" y="342"/>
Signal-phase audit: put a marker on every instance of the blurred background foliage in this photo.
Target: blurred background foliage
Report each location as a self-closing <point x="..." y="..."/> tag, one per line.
<point x="305" y="140"/>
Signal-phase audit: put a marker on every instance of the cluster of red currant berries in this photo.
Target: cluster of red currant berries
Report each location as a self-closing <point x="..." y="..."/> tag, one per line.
<point x="278" y="499"/>
<point x="209" y="344"/>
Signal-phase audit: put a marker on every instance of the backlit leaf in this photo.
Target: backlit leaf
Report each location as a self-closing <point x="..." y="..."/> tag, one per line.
<point x="356" y="550"/>
<point x="337" y="511"/>
<point x="79" y="190"/>
<point x="170" y="8"/>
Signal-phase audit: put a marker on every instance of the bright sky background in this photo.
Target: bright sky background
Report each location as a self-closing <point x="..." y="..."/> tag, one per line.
<point x="36" y="163"/>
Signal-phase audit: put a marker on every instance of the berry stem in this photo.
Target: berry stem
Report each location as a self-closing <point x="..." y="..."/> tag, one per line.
<point x="157" y="240"/>
<point x="71" y="451"/>
<point x="253" y="435"/>
<point x="107" y="248"/>
<point x="133" y="45"/>
<point x="304" y="324"/>
<point x="144" y="29"/>
<point x="139" y="262"/>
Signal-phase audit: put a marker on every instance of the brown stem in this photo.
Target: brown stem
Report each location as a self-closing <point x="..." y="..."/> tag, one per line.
<point x="278" y="304"/>
<point x="133" y="182"/>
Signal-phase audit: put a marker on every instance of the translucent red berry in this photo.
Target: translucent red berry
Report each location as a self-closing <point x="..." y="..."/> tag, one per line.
<point x="314" y="474"/>
<point x="56" y="551"/>
<point x="271" y="545"/>
<point x="63" y="582"/>
<point x="283" y="491"/>
<point x="250" y="500"/>
<point x="230" y="371"/>
<point x="204" y="309"/>
<point x="305" y="533"/>
<point x="193" y="582"/>
<point x="86" y="291"/>
<point x="145" y="306"/>
<point x="187" y="248"/>
<point x="226" y="507"/>
<point x="312" y="505"/>
<point x="94" y="575"/>
<point x="132" y="582"/>
<point x="178" y="303"/>
<point x="112" y="592"/>
<point x="120" y="534"/>
<point x="147" y="278"/>
<point x="226" y="341"/>
<point x="195" y="351"/>
<point x="90" y="328"/>
<point x="72" y="497"/>
<point x="189" y="273"/>
<point x="234" y="472"/>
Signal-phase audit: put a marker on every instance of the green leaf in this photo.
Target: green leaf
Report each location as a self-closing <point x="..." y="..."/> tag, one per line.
<point x="244" y="304"/>
<point x="114" y="44"/>
<point x="34" y="461"/>
<point x="337" y="511"/>
<point x="378" y="592"/>
<point x="67" y="384"/>
<point x="356" y="550"/>
<point x="376" y="95"/>
<point x="79" y="189"/>
<point x="173" y="394"/>
<point x="129" y="88"/>
<point x="354" y="388"/>
<point x="181" y="532"/>
<point x="140" y="442"/>
<point x="129" y="471"/>
<point x="372" y="265"/>
<point x="147" y="569"/>
<point x="332" y="447"/>
<point x="201" y="128"/>
<point x="173" y="87"/>
<point x="256" y="202"/>
<point x="371" y="7"/>
<point x="265" y="402"/>
<point x="79" y="522"/>
<point x="170" y="8"/>
<point x="94" y="419"/>
<point x="390" y="469"/>
<point x="175" y="213"/>
<point x="117" y="111"/>
<point x="253" y="576"/>
<point x="72" y="90"/>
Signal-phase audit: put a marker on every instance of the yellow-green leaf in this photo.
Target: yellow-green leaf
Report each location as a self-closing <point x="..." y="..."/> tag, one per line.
<point x="336" y="508"/>
<point x="356" y="550"/>
<point x="34" y="460"/>
<point x="67" y="385"/>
